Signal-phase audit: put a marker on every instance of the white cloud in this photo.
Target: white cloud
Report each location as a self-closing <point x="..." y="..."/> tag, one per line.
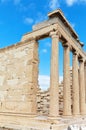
<point x="44" y="50"/>
<point x="44" y="81"/>
<point x="54" y="4"/>
<point x="72" y="2"/>
<point x="60" y="79"/>
<point x="28" y="20"/>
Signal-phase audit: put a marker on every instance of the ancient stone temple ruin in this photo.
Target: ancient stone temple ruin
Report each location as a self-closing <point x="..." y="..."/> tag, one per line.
<point x="19" y="93"/>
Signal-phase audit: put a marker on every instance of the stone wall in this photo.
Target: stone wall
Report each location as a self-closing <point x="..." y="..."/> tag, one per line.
<point x="43" y="99"/>
<point x="18" y="77"/>
<point x="6" y="128"/>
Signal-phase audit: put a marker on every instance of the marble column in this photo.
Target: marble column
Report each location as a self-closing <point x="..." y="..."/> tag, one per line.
<point x="75" y="85"/>
<point x="54" y="77"/>
<point x="82" y="88"/>
<point x="85" y="80"/>
<point x="66" y="82"/>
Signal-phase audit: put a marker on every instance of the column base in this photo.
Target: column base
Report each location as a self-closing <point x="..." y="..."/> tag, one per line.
<point x="18" y="114"/>
<point x="83" y="114"/>
<point x="67" y="116"/>
<point x="54" y="118"/>
<point x="76" y="115"/>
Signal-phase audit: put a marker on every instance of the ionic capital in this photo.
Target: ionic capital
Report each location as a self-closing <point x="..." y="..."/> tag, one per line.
<point x="55" y="34"/>
<point x="66" y="45"/>
<point x="75" y="53"/>
<point x="82" y="60"/>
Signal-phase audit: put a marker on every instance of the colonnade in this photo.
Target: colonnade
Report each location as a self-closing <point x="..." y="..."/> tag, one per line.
<point x="78" y="82"/>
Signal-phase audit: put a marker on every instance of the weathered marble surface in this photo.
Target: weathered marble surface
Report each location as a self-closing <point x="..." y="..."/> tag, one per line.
<point x="18" y="78"/>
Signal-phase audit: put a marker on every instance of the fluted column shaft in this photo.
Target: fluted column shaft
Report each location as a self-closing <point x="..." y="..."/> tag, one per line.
<point x="82" y="88"/>
<point x="76" y="105"/>
<point x="66" y="87"/>
<point x="85" y="80"/>
<point x="54" y="77"/>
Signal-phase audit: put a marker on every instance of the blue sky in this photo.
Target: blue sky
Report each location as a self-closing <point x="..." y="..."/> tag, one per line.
<point x="18" y="16"/>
